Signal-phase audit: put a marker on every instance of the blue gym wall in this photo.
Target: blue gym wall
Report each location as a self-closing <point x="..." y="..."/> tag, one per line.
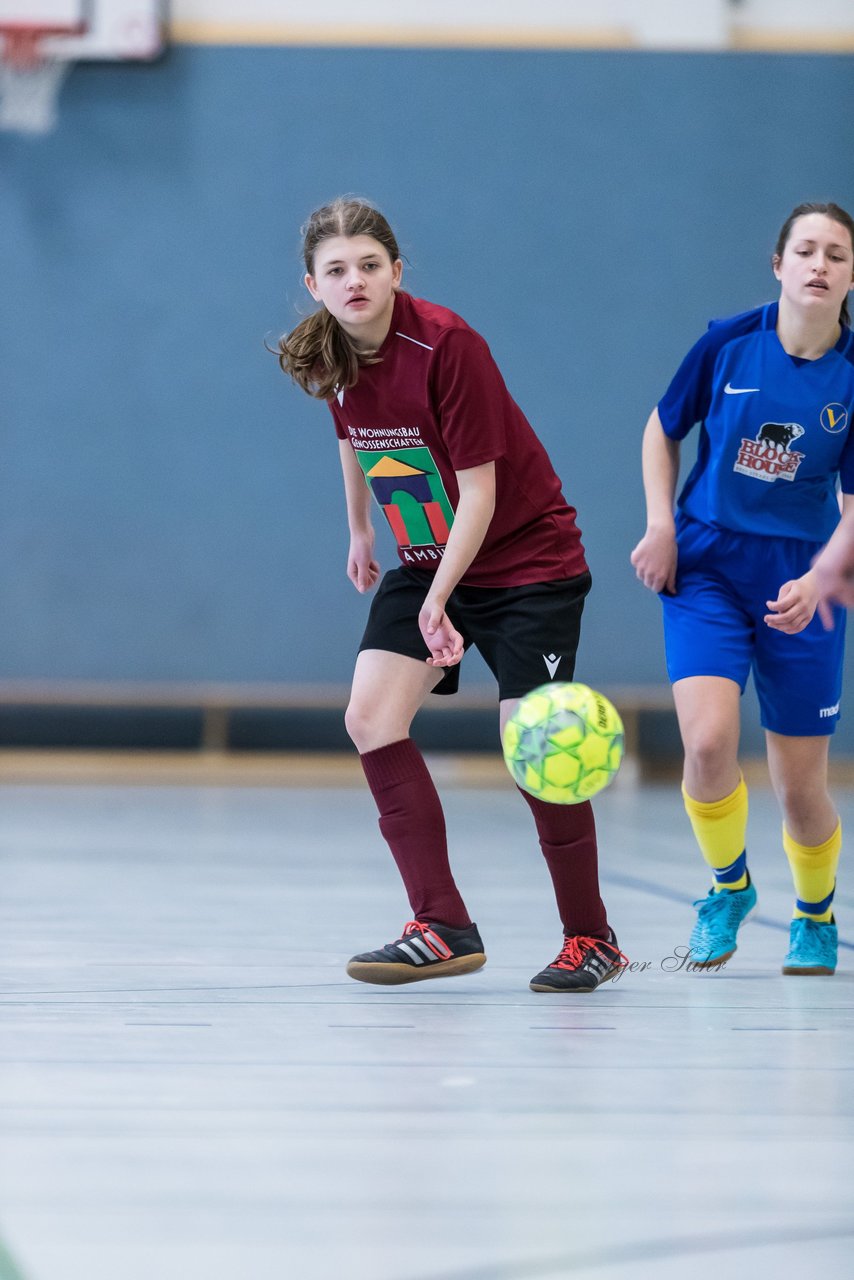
<point x="170" y="507"/>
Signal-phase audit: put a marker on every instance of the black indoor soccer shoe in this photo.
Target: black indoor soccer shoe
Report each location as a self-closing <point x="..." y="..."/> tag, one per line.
<point x="582" y="966"/>
<point x="424" y="951"/>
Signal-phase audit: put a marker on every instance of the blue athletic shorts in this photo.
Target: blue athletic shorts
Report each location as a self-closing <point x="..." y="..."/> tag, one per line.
<point x="713" y="626"/>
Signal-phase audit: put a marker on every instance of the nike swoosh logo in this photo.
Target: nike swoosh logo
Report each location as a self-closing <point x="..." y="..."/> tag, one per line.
<point x="738" y="391"/>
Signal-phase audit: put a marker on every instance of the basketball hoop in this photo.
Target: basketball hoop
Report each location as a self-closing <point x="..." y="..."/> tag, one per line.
<point x="30" y="78"/>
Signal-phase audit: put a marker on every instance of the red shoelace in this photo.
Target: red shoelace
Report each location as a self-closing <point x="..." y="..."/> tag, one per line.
<point x="431" y="939"/>
<point x="576" y="948"/>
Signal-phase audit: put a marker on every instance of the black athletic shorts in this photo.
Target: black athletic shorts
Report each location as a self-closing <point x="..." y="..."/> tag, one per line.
<point x="527" y="635"/>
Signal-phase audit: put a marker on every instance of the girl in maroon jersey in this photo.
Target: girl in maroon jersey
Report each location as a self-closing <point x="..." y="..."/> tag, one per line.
<point x="490" y="555"/>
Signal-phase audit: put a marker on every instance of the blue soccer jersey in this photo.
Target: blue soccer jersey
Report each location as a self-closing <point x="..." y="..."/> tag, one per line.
<point x="775" y="429"/>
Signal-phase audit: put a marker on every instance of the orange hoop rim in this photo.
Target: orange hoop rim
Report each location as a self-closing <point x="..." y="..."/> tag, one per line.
<point x="21" y="41"/>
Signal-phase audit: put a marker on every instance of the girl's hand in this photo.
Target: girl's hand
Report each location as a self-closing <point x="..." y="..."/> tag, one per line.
<point x="654" y="559"/>
<point x="362" y="568"/>
<point x="441" y="637"/>
<point x="795" y="605"/>
<point x="834" y="575"/>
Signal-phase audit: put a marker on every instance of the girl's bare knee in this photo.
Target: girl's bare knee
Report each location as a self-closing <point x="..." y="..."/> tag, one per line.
<point x="802" y="806"/>
<point x="709" y="757"/>
<point x="370" y="727"/>
<point x="357" y="722"/>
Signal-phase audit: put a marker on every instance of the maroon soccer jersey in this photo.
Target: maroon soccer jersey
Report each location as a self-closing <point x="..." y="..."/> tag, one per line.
<point x="436" y="404"/>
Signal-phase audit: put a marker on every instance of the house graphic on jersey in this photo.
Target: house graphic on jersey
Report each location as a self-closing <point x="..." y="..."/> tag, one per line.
<point x="413" y="500"/>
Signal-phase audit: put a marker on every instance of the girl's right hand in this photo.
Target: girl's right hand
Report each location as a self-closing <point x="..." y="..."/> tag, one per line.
<point x="654" y="560"/>
<point x="362" y="569"/>
<point x="440" y="635"/>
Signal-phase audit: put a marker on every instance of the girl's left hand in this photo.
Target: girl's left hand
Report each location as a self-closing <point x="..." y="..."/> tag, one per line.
<point x="441" y="637"/>
<point x="795" y="605"/>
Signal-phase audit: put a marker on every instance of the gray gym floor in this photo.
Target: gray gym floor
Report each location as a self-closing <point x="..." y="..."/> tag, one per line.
<point x="191" y="1087"/>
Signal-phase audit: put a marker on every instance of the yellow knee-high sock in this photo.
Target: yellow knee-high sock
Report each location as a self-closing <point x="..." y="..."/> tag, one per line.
<point x="720" y="828"/>
<point x="814" y="874"/>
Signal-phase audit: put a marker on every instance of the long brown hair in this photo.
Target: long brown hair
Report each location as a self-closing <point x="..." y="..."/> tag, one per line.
<point x="318" y="354"/>
<point x="830" y="210"/>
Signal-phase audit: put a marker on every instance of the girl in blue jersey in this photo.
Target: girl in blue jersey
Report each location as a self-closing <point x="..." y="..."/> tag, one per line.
<point x="773" y="390"/>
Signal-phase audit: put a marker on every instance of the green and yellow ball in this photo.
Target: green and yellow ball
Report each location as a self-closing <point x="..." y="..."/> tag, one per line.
<point x="563" y="743"/>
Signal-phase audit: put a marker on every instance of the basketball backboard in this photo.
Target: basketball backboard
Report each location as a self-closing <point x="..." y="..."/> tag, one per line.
<point x="77" y="30"/>
<point x="40" y="39"/>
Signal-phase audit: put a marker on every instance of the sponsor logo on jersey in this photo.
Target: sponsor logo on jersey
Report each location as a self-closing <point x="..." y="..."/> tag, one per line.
<point x="407" y="486"/>
<point x="770" y="455"/>
<point x="834" y="418"/>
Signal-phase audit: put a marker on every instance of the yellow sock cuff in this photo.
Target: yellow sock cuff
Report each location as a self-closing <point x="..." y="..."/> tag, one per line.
<point x="814" y="874"/>
<point x="818" y="853"/>
<point x="720" y="828"/>
<point x="716" y="809"/>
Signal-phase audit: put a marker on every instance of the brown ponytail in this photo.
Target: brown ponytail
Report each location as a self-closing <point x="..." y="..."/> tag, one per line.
<point x="318" y="354"/>
<point x="320" y="357"/>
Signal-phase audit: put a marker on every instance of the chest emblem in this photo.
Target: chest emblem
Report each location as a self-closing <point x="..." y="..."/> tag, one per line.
<point x="770" y="455"/>
<point x="408" y="487"/>
<point x="834" y="418"/>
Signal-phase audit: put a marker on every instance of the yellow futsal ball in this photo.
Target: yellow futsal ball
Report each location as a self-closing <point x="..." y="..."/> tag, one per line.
<point x="563" y="743"/>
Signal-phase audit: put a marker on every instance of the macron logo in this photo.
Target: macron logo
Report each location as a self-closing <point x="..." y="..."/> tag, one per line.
<point x="552" y="663"/>
<point x="730" y="390"/>
<point x="826" y="712"/>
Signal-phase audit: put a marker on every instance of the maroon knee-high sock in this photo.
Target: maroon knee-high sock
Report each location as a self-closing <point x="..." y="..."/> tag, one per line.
<point x="568" y="840"/>
<point x="412" y="821"/>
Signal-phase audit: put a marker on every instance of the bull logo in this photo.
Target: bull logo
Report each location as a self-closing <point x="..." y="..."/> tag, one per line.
<point x="770" y="456"/>
<point x="779" y="434"/>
